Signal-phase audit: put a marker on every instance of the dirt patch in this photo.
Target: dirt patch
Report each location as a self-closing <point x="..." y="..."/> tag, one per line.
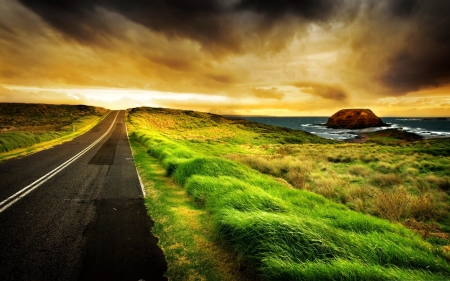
<point x="427" y="230"/>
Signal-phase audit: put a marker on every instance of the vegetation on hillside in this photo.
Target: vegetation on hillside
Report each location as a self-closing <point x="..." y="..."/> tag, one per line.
<point x="34" y="118"/>
<point x="294" y="206"/>
<point x="25" y="125"/>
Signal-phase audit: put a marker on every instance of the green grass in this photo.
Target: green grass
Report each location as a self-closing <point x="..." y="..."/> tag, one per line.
<point x="13" y="144"/>
<point x="185" y="230"/>
<point x="392" y="136"/>
<point x="287" y="233"/>
<point x="11" y="141"/>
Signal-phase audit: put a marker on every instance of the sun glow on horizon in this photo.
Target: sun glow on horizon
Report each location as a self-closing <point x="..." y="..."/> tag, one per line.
<point x="115" y="98"/>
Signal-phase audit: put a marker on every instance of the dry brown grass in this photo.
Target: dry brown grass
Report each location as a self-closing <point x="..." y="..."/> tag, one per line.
<point x="294" y="171"/>
<point x="298" y="179"/>
<point x="422" y="207"/>
<point x="439" y="182"/>
<point x="362" y="192"/>
<point x="285" y="150"/>
<point x="392" y="204"/>
<point x="386" y="180"/>
<point x="325" y="187"/>
<point x="359" y="177"/>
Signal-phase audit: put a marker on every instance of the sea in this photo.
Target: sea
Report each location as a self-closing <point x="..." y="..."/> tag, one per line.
<point x="425" y="127"/>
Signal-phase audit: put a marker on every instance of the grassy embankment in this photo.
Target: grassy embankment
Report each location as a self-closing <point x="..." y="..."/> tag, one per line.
<point x="26" y="128"/>
<point x="267" y="209"/>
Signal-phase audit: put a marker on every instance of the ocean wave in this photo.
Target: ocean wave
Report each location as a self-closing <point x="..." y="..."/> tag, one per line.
<point x="316" y="125"/>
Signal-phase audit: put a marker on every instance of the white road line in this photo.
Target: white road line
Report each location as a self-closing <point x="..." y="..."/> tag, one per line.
<point x="29" y="188"/>
<point x="132" y="154"/>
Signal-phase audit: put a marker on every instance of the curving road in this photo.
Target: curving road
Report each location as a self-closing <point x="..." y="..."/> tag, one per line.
<point x="76" y="212"/>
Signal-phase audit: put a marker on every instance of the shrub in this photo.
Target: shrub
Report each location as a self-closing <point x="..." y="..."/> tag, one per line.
<point x="422" y="207"/>
<point x="356" y="204"/>
<point x="392" y="204"/>
<point x="358" y="197"/>
<point x="285" y="150"/>
<point x="297" y="178"/>
<point x="363" y="192"/>
<point x="325" y="187"/>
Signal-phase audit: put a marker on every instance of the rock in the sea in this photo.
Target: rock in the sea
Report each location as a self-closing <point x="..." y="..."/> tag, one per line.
<point x="354" y="119"/>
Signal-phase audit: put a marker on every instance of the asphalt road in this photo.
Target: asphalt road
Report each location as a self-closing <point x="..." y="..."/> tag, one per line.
<point x="84" y="221"/>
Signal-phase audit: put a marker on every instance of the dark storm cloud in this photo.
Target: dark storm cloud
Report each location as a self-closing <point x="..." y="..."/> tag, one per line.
<point x="424" y="59"/>
<point x="201" y="20"/>
<point x="224" y="27"/>
<point x="308" y="9"/>
<point x="402" y="8"/>
<point x="77" y="19"/>
<point x="215" y="24"/>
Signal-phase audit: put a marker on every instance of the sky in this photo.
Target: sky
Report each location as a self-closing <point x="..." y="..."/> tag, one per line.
<point x="240" y="57"/>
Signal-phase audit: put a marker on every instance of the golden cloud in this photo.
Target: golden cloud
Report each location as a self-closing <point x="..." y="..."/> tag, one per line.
<point x="272" y="93"/>
<point x="331" y="92"/>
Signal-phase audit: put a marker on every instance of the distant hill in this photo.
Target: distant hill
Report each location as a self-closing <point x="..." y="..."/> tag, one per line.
<point x="207" y="126"/>
<point x="36" y="118"/>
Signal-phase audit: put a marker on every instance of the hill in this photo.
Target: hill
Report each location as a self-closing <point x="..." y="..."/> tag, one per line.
<point x="289" y="205"/>
<point x="202" y="126"/>
<point x="35" y="118"/>
<point x="24" y="126"/>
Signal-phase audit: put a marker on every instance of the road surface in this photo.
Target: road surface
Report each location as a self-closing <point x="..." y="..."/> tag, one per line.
<point x="76" y="212"/>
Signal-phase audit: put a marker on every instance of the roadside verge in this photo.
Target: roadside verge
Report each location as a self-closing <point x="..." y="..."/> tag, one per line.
<point x="185" y="231"/>
<point x="84" y="125"/>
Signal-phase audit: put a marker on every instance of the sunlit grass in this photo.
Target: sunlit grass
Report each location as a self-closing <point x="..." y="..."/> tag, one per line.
<point x="185" y="231"/>
<point x="258" y="184"/>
